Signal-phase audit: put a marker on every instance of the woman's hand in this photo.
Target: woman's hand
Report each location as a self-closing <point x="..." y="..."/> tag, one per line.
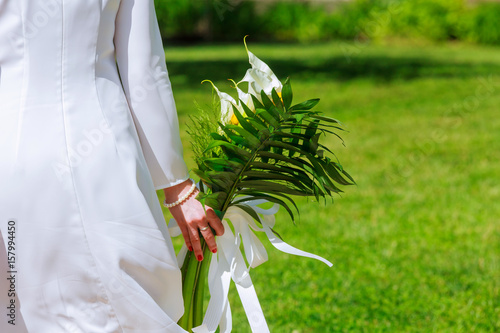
<point x="191" y="219"/>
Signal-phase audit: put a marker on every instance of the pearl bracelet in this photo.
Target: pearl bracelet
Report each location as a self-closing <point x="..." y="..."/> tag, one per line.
<point x="181" y="199"/>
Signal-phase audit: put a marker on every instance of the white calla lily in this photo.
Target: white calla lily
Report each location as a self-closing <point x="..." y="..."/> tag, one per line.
<point x="243" y="97"/>
<point x="260" y="77"/>
<point x="227" y="112"/>
<point x="226" y="105"/>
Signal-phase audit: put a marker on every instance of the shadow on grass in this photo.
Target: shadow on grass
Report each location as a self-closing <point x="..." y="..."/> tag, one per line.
<point x="376" y="68"/>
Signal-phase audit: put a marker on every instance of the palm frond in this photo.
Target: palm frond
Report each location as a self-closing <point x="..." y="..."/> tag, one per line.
<point x="273" y="153"/>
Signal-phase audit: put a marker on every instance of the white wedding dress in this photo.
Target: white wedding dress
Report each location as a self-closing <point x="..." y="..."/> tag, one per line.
<point x="88" y="132"/>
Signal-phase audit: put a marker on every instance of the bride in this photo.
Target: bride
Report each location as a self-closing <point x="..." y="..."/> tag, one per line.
<point x="88" y="132"/>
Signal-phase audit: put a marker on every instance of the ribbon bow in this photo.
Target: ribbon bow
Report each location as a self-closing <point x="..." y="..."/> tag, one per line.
<point x="228" y="264"/>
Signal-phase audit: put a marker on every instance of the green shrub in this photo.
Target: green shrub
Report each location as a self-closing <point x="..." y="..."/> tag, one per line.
<point x="207" y="19"/>
<point x="287" y="21"/>
<point x="353" y="19"/>
<point x="230" y="20"/>
<point x="179" y="18"/>
<point x="482" y="24"/>
<point x="431" y="19"/>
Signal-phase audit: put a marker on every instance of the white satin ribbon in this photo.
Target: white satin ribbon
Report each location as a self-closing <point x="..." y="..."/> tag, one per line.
<point x="228" y="264"/>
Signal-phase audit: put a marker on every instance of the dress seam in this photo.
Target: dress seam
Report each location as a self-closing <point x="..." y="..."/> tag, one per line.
<point x="93" y="260"/>
<point x="99" y="102"/>
<point x="22" y="102"/>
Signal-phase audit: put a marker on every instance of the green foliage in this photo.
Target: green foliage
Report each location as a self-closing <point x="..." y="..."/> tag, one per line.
<point x="202" y="125"/>
<point x="179" y="18"/>
<point x="211" y="19"/>
<point x="227" y="20"/>
<point x="273" y="153"/>
<point x="482" y="24"/>
<point x="353" y="19"/>
<point x="432" y="19"/>
<point x="231" y="20"/>
<point x="285" y="21"/>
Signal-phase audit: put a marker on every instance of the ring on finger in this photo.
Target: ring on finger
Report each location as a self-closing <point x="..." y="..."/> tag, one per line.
<point x="204" y="228"/>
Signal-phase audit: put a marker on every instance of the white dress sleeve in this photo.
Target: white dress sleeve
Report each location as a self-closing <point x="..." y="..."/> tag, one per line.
<point x="141" y="63"/>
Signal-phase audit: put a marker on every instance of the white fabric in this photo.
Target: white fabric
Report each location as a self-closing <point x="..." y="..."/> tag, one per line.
<point x="80" y="158"/>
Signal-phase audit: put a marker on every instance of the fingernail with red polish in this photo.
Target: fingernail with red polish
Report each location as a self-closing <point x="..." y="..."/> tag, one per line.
<point x="200" y="258"/>
<point x="214" y="251"/>
<point x="190" y="248"/>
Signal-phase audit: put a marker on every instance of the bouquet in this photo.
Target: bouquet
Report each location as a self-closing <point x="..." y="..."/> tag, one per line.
<point x="259" y="148"/>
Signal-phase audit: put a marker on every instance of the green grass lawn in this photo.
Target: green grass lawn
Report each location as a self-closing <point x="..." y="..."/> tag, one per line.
<point x="416" y="244"/>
